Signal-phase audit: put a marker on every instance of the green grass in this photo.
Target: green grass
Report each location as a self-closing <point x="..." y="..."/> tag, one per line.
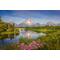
<point x="25" y="40"/>
<point x="9" y="32"/>
<point x="52" y="39"/>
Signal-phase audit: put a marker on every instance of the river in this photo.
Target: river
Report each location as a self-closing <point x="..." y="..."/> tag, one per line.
<point x="14" y="39"/>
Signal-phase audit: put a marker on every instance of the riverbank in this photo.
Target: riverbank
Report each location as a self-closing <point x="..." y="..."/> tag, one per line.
<point x="52" y="39"/>
<point x="50" y="42"/>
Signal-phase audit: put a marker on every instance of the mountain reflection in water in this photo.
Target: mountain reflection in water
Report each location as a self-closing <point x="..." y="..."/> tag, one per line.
<point x="14" y="39"/>
<point x="31" y="34"/>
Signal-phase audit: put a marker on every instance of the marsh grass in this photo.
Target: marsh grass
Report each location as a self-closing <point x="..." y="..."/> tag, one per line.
<point x="52" y="39"/>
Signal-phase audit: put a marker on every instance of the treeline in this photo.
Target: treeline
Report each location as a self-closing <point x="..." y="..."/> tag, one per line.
<point x="4" y="26"/>
<point x="44" y="28"/>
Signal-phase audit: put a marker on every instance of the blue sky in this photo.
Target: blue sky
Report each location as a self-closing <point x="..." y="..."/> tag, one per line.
<point x="37" y="16"/>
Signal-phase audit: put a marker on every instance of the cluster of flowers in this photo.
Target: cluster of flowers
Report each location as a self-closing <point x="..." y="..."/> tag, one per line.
<point x="33" y="45"/>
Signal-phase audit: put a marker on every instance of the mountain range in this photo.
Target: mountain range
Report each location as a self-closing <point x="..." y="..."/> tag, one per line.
<point x="29" y="23"/>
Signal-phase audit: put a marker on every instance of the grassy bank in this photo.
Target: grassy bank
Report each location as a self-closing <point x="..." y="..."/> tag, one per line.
<point x="52" y="38"/>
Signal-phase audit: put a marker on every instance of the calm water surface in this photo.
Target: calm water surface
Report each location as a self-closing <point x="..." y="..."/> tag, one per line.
<point x="12" y="39"/>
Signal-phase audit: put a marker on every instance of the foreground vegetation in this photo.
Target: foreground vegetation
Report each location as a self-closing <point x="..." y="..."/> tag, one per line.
<point x="49" y="42"/>
<point x="52" y="38"/>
